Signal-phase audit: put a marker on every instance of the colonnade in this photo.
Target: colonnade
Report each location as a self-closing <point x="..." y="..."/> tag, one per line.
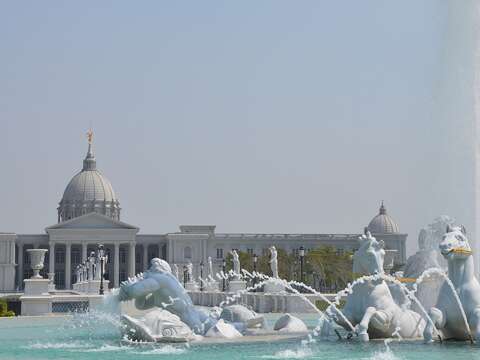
<point x="131" y="261"/>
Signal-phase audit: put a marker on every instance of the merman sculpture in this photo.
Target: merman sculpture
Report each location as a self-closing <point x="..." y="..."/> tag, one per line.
<point x="158" y="287"/>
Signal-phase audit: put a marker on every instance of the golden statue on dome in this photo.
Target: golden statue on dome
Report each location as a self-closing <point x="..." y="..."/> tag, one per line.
<point x="90" y="136"/>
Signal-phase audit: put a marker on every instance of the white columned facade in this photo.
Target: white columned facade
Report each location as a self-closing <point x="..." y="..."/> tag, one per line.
<point x="131" y="260"/>
<point x="145" y="257"/>
<point x="68" y="264"/>
<point x="116" y="265"/>
<point x="51" y="258"/>
<point x="20" y="265"/>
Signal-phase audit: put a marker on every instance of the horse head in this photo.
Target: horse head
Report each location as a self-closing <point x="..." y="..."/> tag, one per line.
<point x="368" y="259"/>
<point x="454" y="244"/>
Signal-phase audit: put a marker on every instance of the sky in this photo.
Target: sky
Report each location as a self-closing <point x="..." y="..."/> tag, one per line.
<point x="255" y="116"/>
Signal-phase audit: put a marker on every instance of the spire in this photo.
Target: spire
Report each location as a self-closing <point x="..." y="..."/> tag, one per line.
<point x="89" y="163"/>
<point x="383" y="210"/>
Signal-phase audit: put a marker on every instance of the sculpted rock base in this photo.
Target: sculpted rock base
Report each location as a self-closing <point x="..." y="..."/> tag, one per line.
<point x="223" y="330"/>
<point x="156" y="326"/>
<point x="290" y="324"/>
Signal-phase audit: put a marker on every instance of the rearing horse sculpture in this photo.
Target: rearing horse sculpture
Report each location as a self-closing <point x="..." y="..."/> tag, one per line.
<point x="370" y="306"/>
<point x="447" y="315"/>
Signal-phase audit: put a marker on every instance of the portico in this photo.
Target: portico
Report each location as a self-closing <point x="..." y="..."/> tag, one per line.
<point x="71" y="241"/>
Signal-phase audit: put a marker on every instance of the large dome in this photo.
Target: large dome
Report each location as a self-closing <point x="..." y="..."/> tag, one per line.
<point x="383" y="223"/>
<point x="88" y="191"/>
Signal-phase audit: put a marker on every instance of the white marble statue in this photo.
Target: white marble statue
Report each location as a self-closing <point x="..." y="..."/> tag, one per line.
<point x="425" y="258"/>
<point x="236" y="264"/>
<point x="78" y="272"/>
<point x="274" y="262"/>
<point x="446" y="314"/>
<point x="210" y="269"/>
<point x="175" y="271"/>
<point x="370" y="306"/>
<point x="189" y="271"/>
<point x="91" y="266"/>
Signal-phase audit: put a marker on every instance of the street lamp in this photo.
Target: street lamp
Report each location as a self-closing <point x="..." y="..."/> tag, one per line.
<point x="255" y="260"/>
<point x="101" y="256"/>
<point x="224" y="265"/>
<point x="301" y="252"/>
<point x="201" y="276"/>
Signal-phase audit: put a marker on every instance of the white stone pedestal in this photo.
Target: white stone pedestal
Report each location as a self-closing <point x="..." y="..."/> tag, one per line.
<point x="212" y="286"/>
<point x="36" y="299"/>
<point x="237" y="285"/>
<point x="191" y="286"/>
<point x="36" y="286"/>
<point x="272" y="287"/>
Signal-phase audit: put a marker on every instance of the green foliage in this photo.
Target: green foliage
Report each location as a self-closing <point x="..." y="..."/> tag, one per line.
<point x="322" y="305"/>
<point x="333" y="268"/>
<point x="4" y="312"/>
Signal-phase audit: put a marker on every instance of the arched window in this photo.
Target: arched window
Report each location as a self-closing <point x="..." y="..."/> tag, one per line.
<point x="187" y="252"/>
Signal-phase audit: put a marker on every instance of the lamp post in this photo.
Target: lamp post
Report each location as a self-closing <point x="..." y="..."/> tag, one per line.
<point x="184" y="276"/>
<point x="201" y="276"/>
<point x="224" y="265"/>
<point x="101" y="255"/>
<point x="301" y="252"/>
<point x="255" y="260"/>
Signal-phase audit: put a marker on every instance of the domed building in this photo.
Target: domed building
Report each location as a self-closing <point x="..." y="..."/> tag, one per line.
<point x="383" y="223"/>
<point x="88" y="215"/>
<point x="385" y="228"/>
<point x="88" y="191"/>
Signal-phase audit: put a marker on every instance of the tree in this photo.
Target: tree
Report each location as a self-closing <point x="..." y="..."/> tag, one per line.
<point x="335" y="269"/>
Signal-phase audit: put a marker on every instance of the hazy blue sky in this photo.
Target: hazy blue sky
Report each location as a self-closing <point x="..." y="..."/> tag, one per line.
<point x="256" y="116"/>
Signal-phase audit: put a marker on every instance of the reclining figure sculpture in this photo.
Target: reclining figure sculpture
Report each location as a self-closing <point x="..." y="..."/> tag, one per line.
<point x="158" y="289"/>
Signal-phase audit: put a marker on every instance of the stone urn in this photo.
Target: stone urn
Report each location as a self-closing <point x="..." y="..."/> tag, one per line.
<point x="37" y="256"/>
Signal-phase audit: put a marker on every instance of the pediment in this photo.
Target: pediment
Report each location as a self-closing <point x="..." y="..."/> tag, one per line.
<point x="92" y="221"/>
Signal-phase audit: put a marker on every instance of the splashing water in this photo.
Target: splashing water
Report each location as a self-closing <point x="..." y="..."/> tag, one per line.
<point x="300" y="353"/>
<point x="436" y="271"/>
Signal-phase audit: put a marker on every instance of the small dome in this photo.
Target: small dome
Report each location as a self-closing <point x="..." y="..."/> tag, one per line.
<point x="88" y="191"/>
<point x="383" y="223"/>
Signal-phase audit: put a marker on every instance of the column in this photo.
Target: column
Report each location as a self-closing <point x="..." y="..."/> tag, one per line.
<point x="20" y="265"/>
<point x="68" y="265"/>
<point x="51" y="258"/>
<point x="116" y="265"/>
<point x="131" y="260"/>
<point x="145" y="257"/>
<point x="84" y="251"/>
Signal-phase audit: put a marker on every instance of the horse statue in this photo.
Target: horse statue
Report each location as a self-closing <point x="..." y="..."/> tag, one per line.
<point x="447" y="315"/>
<point x="370" y="306"/>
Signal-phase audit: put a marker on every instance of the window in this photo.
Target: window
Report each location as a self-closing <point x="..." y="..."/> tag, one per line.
<point x="60" y="256"/>
<point x="123" y="256"/>
<point x="138" y="257"/>
<point x="187" y="252"/>
<point x="75" y="257"/>
<point x="220" y="253"/>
